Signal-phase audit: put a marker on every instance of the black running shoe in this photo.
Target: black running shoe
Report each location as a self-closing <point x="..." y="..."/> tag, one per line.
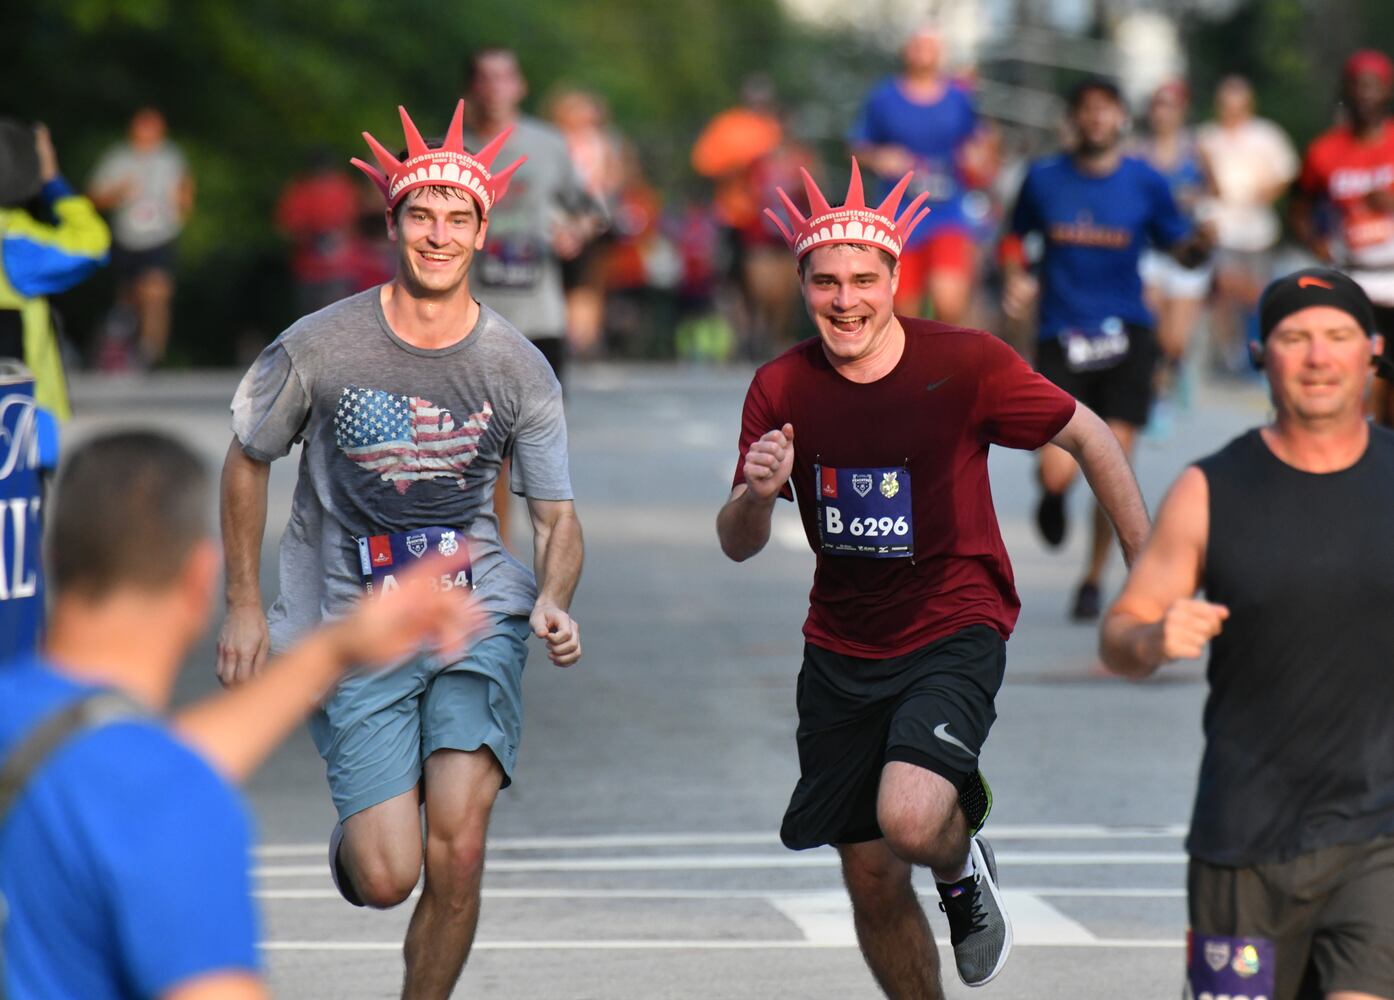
<point x="979" y="929"/>
<point x="1050" y="519"/>
<point x="1086" y="607"/>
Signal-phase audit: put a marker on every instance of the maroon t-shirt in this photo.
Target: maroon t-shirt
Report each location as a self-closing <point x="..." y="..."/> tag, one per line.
<point x="892" y="484"/>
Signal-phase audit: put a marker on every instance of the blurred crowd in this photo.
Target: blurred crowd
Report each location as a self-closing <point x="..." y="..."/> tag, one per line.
<point x="644" y="273"/>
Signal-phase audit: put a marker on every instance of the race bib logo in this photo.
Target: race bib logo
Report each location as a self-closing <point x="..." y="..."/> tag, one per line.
<point x="1246" y="961"/>
<point x="890" y="484"/>
<point x="416" y="545"/>
<point x="862" y="484"/>
<point x="1217" y="954"/>
<point x="448" y="545"/>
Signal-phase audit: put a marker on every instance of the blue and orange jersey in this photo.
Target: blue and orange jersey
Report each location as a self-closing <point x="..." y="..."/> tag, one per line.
<point x="1094" y="229"/>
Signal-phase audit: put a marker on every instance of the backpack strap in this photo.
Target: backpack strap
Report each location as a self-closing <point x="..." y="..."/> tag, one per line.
<point x="30" y="754"/>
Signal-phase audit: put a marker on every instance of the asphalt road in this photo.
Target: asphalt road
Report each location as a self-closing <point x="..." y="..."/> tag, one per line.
<point x="636" y="855"/>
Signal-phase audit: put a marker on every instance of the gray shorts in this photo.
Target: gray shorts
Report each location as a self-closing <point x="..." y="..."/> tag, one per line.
<point x="1329" y="914"/>
<point x="376" y="729"/>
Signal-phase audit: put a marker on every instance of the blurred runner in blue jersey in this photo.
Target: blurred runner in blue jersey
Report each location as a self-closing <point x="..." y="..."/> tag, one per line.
<point x="1094" y="210"/>
<point x="923" y="121"/>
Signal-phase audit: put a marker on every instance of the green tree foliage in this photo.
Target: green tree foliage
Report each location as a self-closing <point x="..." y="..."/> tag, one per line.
<point x="250" y="88"/>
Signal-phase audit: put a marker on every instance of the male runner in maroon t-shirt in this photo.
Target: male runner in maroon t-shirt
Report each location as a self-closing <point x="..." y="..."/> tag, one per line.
<point x="913" y="596"/>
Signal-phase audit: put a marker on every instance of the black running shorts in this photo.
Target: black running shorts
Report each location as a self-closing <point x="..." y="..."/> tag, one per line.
<point x="932" y="708"/>
<point x="1123" y="392"/>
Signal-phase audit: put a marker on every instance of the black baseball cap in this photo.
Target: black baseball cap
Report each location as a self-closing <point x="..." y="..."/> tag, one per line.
<point x="19" y="163"/>
<point x="1314" y="286"/>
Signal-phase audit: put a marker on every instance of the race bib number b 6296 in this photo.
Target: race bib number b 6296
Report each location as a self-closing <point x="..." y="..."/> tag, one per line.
<point x="865" y="512"/>
<point x="382" y="557"/>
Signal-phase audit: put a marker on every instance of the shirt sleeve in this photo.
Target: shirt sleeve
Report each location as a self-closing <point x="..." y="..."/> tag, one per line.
<point x="179" y="883"/>
<point x="541" y="467"/>
<point x="1017" y="407"/>
<point x="758" y="418"/>
<point x="271" y="405"/>
<point x="1285" y="162"/>
<point x="1167" y="225"/>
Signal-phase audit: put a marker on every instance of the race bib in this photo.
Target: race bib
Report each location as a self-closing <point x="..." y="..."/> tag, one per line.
<point x="1228" y="968"/>
<point x="513" y="260"/>
<point x="1096" y="349"/>
<point x="382" y="557"/>
<point x="865" y="512"/>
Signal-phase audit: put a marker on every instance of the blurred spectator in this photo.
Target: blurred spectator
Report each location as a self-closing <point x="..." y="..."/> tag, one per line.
<point x="584" y="121"/>
<point x="923" y="121"/>
<point x="52" y="239"/>
<point x="745" y="152"/>
<point x="1175" y="293"/>
<point x="1350" y="169"/>
<point x="318" y="212"/>
<point x="145" y="185"/>
<point x="548" y="217"/>
<point x="1249" y="162"/>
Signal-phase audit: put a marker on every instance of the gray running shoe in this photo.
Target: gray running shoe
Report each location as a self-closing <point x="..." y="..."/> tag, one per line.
<point x="979" y="928"/>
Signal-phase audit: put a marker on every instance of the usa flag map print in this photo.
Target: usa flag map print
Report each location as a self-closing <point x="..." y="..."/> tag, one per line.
<point x="406" y="438"/>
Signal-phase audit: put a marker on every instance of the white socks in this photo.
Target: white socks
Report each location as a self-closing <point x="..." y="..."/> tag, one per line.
<point x="968" y="869"/>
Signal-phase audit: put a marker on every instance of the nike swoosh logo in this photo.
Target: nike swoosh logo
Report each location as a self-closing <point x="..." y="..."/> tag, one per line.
<point x="1310" y="282"/>
<point x="941" y="731"/>
<point x="934" y="385"/>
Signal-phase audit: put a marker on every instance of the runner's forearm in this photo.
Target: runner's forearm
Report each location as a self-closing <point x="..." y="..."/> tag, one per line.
<point x="1101" y="458"/>
<point x="558" y="552"/>
<point x="743" y="525"/>
<point x="243" y="517"/>
<point x="1130" y="647"/>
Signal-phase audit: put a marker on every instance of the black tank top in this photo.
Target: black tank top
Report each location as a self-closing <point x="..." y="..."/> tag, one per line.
<point x="1299" y="724"/>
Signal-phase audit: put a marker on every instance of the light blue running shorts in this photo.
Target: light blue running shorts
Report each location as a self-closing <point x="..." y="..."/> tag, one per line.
<point x="376" y="729"/>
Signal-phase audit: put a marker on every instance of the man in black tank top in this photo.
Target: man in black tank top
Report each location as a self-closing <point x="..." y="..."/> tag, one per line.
<point x="1287" y="531"/>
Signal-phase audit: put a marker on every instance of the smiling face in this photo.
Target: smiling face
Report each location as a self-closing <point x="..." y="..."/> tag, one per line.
<point x="1318" y="362"/>
<point x="437" y="232"/>
<point x="849" y="291"/>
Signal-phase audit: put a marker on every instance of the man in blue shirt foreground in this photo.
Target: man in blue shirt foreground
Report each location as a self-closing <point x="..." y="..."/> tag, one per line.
<point x="124" y="858"/>
<point x="1095" y="211"/>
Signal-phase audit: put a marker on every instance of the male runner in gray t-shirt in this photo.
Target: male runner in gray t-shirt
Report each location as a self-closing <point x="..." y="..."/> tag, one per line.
<point x="407" y="399"/>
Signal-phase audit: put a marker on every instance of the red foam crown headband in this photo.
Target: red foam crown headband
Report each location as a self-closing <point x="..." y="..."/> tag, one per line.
<point x="854" y="222"/>
<point x="447" y="165"/>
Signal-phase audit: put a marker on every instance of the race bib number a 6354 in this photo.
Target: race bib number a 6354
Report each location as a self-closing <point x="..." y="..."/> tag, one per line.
<point x="382" y="557"/>
<point x="865" y="512"/>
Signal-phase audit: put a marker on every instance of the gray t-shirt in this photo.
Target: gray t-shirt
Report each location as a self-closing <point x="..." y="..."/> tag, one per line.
<point x="397" y="438"/>
<point x="148" y="215"/>
<point x="517" y="273"/>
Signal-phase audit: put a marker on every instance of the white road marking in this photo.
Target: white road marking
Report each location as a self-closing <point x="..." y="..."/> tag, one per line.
<point x="611" y="841"/>
<point x="757" y="862"/>
<point x="670" y="944"/>
<point x="722" y="894"/>
<point x="825" y="919"/>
